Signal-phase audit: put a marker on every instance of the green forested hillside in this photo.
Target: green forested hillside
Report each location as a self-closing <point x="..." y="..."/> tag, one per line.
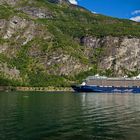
<point x="43" y="43"/>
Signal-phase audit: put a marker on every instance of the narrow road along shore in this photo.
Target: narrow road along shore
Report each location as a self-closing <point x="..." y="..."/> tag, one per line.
<point x="11" y="88"/>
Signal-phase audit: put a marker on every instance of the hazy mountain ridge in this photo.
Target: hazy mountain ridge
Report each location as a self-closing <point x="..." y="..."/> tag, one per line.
<point x="55" y="43"/>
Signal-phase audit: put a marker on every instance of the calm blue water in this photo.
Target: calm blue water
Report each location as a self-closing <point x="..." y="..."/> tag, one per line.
<point x="69" y="116"/>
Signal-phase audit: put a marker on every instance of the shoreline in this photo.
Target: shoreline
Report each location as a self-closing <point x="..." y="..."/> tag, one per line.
<point x="47" y="89"/>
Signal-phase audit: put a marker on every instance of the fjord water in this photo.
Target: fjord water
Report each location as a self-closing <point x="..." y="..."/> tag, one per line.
<point x="69" y="116"/>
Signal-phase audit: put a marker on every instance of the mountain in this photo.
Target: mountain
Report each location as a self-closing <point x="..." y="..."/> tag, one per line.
<point x="52" y="42"/>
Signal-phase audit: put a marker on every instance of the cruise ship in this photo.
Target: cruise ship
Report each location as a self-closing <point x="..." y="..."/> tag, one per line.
<point x="104" y="84"/>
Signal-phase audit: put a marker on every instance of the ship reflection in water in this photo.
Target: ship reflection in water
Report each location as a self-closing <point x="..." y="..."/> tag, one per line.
<point x="69" y="116"/>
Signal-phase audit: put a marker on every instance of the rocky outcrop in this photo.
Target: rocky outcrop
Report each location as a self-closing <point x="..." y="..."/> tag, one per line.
<point x="3" y="47"/>
<point x="15" y="2"/>
<point x="11" y="73"/>
<point x="57" y="62"/>
<point x="90" y="42"/>
<point x="37" y="12"/>
<point x="119" y="53"/>
<point x="15" y="23"/>
<point x="59" y="1"/>
<point x="64" y="64"/>
<point x="9" y="2"/>
<point x="21" y="30"/>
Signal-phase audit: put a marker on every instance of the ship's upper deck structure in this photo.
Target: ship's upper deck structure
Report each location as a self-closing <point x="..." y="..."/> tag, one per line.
<point x="116" y="82"/>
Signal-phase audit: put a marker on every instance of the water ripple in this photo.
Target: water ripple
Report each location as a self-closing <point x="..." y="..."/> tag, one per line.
<point x="69" y="117"/>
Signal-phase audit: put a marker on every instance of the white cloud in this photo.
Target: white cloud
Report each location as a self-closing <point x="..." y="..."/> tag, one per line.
<point x="137" y="18"/>
<point x="73" y="2"/>
<point x="136" y="12"/>
<point x="93" y="12"/>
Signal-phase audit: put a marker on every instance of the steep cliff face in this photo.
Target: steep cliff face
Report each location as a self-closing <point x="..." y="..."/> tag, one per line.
<point x="51" y="42"/>
<point x="120" y="54"/>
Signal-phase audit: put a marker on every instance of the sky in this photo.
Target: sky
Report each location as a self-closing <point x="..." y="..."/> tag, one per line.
<point x="129" y="9"/>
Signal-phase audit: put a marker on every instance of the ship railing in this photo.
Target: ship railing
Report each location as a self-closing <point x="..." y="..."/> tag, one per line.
<point x="122" y="78"/>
